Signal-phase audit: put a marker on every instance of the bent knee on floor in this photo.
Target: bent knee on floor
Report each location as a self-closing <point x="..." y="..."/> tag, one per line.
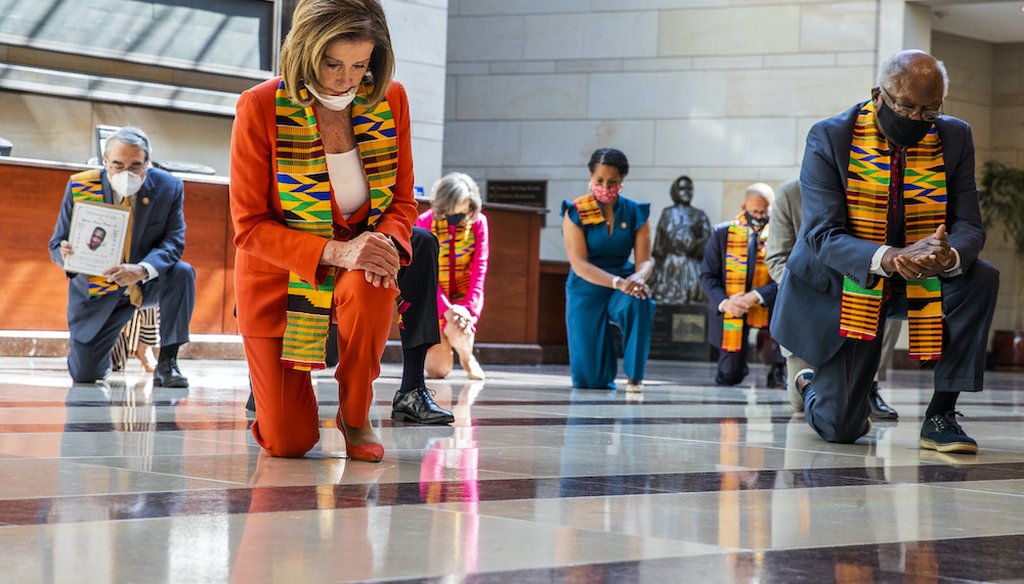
<point x="289" y="447"/>
<point x="89" y="374"/>
<point x="437" y="371"/>
<point x="846" y="435"/>
<point x="287" y="440"/>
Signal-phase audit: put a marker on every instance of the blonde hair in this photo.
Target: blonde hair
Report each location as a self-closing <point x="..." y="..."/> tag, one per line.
<point x="451" y="190"/>
<point x="318" y="23"/>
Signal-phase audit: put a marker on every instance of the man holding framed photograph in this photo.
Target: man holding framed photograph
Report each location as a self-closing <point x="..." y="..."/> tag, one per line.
<point x="141" y="212"/>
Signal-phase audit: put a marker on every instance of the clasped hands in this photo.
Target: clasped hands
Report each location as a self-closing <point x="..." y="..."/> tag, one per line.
<point x="739" y="303"/>
<point x="927" y="257"/>
<point x="121" y="274"/>
<point x="634" y="286"/>
<point x="374" y="253"/>
<point x="460" y="316"/>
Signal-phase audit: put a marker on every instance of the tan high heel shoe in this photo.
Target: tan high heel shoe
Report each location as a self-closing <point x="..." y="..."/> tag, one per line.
<point x="145" y="356"/>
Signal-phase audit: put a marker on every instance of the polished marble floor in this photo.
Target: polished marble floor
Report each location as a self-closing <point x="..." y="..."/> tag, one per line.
<point x="534" y="483"/>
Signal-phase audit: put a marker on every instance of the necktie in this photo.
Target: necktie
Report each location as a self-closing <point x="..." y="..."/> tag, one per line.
<point x="453" y="231"/>
<point x="751" y="258"/>
<point x="134" y="291"/>
<point x="894" y="224"/>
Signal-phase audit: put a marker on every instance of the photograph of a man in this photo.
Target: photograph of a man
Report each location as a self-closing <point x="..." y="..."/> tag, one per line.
<point x="96" y="240"/>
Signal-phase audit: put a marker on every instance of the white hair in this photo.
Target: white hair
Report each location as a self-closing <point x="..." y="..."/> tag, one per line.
<point x="761" y="190"/>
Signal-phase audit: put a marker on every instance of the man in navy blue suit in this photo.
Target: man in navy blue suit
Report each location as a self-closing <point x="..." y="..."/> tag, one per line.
<point x="740" y="291"/>
<point x="891" y="228"/>
<point x="152" y="274"/>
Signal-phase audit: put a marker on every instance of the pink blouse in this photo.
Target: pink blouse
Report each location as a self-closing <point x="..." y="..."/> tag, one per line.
<point x="474" y="299"/>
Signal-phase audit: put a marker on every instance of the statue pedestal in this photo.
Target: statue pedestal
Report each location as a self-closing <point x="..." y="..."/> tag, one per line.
<point x="680" y="333"/>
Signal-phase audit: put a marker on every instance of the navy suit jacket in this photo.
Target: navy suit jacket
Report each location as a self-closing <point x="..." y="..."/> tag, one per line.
<point x="158" y="238"/>
<point x="712" y="280"/>
<point x="806" y="318"/>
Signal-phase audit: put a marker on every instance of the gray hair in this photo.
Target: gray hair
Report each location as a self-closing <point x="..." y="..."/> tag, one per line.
<point x="451" y="190"/>
<point x="131" y="136"/>
<point x="901" y="63"/>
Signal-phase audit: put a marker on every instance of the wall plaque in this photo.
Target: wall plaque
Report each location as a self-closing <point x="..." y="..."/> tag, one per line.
<point x="533" y="193"/>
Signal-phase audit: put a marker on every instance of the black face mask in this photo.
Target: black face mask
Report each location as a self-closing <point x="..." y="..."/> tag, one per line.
<point x="756" y="222"/>
<point x="455" y="218"/>
<point x="902" y="131"/>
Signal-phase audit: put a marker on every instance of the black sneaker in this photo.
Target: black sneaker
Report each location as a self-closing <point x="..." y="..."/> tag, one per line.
<point x="943" y="434"/>
<point x="795" y="392"/>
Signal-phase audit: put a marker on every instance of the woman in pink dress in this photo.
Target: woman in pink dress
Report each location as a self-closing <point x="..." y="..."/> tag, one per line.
<point x="456" y="219"/>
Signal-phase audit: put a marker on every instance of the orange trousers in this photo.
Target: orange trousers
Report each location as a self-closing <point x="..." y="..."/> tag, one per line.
<point x="287" y="418"/>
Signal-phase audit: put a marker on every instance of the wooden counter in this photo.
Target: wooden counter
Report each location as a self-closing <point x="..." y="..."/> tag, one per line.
<point x="33" y="291"/>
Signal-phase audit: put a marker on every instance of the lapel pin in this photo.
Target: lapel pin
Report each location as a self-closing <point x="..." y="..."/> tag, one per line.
<point x="623" y="224"/>
<point x="145" y="200"/>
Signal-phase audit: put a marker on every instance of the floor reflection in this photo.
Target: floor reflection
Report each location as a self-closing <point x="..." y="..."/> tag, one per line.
<point x="534" y="482"/>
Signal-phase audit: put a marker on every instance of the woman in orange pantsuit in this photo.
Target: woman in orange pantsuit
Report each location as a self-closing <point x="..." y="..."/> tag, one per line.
<point x="323" y="211"/>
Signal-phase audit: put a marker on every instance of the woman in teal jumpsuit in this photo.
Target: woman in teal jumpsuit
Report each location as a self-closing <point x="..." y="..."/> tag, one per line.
<point x="601" y="229"/>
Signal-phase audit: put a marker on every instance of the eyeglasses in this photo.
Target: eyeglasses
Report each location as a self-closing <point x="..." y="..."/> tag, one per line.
<point x="907" y="112"/>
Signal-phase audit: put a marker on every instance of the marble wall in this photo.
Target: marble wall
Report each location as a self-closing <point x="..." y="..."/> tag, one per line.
<point x="987" y="90"/>
<point x="723" y="91"/>
<point x="51" y="102"/>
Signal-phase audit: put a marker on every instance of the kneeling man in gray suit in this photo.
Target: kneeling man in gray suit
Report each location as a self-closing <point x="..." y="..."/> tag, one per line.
<point x="152" y="273"/>
<point x="891" y="228"/>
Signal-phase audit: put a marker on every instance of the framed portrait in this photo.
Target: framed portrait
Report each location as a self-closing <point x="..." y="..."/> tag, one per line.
<point x="98" y="234"/>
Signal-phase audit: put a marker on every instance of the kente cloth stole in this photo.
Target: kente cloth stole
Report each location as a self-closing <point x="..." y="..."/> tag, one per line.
<point x="304" y="188"/>
<point x="867" y="203"/>
<point x="87" y="186"/>
<point x="454" y="256"/>
<point x="589" y="210"/>
<point x="736" y="266"/>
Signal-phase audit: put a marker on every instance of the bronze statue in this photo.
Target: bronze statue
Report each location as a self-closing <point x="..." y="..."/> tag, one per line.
<point x="679" y="242"/>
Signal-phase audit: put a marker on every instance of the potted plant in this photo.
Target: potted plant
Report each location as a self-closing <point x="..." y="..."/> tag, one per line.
<point x="1002" y="203"/>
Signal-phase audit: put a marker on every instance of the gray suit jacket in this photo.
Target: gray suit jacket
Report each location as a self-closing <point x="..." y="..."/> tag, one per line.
<point x="786" y="218"/>
<point x="158" y="238"/>
<point x="806" y="316"/>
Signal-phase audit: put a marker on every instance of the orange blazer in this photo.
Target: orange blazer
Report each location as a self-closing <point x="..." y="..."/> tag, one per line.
<point x="266" y="249"/>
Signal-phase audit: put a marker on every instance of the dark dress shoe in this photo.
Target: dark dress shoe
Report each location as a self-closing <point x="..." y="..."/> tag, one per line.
<point x="168" y="375"/>
<point x="776" y="376"/>
<point x="418" y="406"/>
<point x="879" y="409"/>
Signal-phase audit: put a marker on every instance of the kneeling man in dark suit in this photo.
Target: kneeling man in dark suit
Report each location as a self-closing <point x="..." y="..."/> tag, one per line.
<point x="740" y="292"/>
<point x="152" y="273"/>
<point x="891" y="228"/>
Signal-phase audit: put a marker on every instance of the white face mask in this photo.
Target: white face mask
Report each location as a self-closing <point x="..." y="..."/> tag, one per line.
<point x="334" y="102"/>
<point x="126" y="183"/>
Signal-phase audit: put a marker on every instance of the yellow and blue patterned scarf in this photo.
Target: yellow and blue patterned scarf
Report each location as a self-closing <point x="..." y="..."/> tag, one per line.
<point x="736" y="265"/>
<point x="867" y="202"/>
<point x="305" y="191"/>
<point x="88" y="186"/>
<point x="461" y="250"/>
